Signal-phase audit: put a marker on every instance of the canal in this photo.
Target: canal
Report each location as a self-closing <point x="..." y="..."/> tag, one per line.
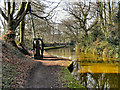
<point x="92" y="71"/>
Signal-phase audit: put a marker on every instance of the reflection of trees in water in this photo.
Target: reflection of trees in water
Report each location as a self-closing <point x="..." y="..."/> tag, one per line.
<point x="95" y="80"/>
<point x="89" y="80"/>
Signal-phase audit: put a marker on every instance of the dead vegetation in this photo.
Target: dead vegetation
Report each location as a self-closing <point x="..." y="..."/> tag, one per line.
<point x="15" y="66"/>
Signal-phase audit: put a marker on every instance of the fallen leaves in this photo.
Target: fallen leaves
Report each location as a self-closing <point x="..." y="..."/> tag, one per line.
<point x="15" y="69"/>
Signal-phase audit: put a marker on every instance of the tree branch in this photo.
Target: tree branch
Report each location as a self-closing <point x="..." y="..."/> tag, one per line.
<point x="53" y="9"/>
<point x="21" y="17"/>
<point x="21" y="10"/>
<point x="3" y="14"/>
<point x="9" y="8"/>
<point x="13" y="8"/>
<point x="76" y="16"/>
<point x="38" y="6"/>
<point x="88" y="8"/>
<point x="81" y="9"/>
<point x="91" y="26"/>
<point x="71" y="31"/>
<point x="38" y="16"/>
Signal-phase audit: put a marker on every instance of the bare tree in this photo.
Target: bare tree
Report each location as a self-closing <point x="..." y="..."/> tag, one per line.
<point x="81" y="13"/>
<point x="14" y="20"/>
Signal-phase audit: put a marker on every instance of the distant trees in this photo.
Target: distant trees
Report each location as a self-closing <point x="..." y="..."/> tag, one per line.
<point x="95" y="26"/>
<point x="91" y="20"/>
<point x="83" y="20"/>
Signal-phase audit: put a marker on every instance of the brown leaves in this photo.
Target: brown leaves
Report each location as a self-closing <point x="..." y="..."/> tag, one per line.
<point x="15" y="66"/>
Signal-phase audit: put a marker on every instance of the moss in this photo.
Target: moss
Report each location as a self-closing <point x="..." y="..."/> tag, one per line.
<point x="68" y="80"/>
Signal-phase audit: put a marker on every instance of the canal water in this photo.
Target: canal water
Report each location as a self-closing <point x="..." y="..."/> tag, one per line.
<point x="92" y="71"/>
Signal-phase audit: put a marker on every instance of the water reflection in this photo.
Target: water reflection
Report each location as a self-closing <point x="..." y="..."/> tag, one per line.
<point x="92" y="71"/>
<point x="96" y="75"/>
<point x="98" y="80"/>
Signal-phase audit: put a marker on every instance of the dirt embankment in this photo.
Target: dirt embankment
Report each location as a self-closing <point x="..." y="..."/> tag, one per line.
<point x="15" y="66"/>
<point x="20" y="71"/>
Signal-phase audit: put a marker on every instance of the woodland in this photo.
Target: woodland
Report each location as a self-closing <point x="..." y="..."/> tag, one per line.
<point x="93" y="26"/>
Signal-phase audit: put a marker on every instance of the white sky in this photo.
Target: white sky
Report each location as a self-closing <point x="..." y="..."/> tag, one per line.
<point x="59" y="12"/>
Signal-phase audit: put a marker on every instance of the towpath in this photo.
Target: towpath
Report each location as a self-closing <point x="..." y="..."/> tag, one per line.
<point x="45" y="73"/>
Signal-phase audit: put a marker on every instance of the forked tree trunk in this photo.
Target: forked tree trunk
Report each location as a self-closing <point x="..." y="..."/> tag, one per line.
<point x="12" y="23"/>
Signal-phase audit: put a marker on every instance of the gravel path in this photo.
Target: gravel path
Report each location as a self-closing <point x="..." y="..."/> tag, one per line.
<point x="45" y="73"/>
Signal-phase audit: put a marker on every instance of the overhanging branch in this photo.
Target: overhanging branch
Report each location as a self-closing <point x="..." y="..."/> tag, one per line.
<point x="53" y="9"/>
<point x="23" y="14"/>
<point x="38" y="16"/>
<point x="3" y="14"/>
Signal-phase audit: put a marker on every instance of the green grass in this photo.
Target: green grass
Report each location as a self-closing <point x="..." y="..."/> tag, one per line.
<point x="68" y="80"/>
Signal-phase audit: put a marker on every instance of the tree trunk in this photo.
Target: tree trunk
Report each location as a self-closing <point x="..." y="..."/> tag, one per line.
<point x="86" y="33"/>
<point x="109" y="12"/>
<point x="22" y="29"/>
<point x="12" y="23"/>
<point x="10" y="35"/>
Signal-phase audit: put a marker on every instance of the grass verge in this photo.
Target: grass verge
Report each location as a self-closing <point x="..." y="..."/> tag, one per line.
<point x="68" y="80"/>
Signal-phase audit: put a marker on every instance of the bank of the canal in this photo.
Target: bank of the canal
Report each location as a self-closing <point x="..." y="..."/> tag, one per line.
<point x="66" y="77"/>
<point x="51" y="72"/>
<point x="57" y="47"/>
<point x="68" y="80"/>
<point x="92" y="71"/>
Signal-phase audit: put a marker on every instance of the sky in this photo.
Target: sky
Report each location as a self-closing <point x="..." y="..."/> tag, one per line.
<point x="59" y="12"/>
